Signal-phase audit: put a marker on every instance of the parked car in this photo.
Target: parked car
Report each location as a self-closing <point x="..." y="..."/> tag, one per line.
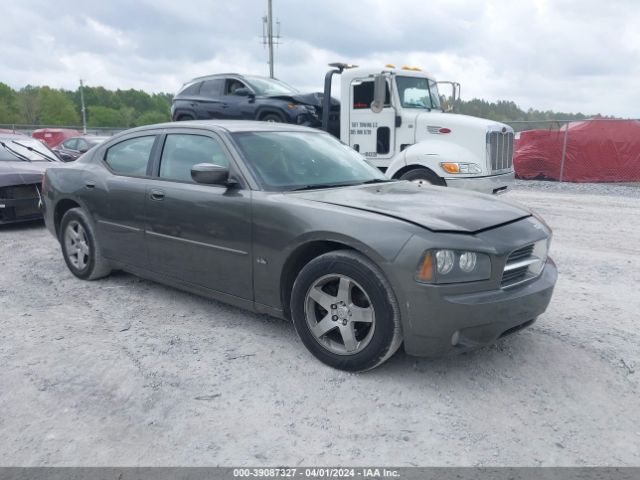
<point x="53" y="136"/>
<point x="288" y="221"/>
<point x="245" y="97"/>
<point x="73" y="147"/>
<point x="22" y="163"/>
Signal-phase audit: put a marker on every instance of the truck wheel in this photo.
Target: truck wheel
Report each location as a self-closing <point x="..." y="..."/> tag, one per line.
<point x="345" y="311"/>
<point x="80" y="247"/>
<point x="272" y="117"/>
<point x="423" y="176"/>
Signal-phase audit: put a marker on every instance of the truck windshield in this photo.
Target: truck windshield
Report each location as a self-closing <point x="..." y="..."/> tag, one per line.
<point x="418" y="92"/>
<point x="303" y="160"/>
<point x="268" y="86"/>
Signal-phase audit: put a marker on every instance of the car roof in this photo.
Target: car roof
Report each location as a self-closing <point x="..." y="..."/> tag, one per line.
<point x="231" y="74"/>
<point x="230" y="126"/>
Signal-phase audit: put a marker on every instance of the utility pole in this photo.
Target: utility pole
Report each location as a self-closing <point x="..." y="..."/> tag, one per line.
<point x="268" y="35"/>
<point x="84" y="115"/>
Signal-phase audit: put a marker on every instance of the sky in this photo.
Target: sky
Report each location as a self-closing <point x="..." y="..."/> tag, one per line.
<point x="561" y="55"/>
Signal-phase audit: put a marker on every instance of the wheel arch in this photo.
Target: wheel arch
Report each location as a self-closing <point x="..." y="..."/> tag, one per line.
<point x="62" y="207"/>
<point x="300" y="257"/>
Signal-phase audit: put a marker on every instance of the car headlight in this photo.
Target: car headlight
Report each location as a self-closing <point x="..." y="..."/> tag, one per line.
<point x="457" y="167"/>
<point x="453" y="266"/>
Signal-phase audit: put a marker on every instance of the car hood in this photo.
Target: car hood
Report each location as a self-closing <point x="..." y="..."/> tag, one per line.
<point x="20" y="173"/>
<point x="440" y="209"/>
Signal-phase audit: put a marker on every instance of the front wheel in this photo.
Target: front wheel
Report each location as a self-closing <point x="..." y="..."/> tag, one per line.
<point x="273" y="118"/>
<point x="423" y="176"/>
<point x="80" y="247"/>
<point x="345" y="311"/>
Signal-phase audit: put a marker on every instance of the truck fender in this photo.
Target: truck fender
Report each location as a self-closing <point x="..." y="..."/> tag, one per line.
<point x="429" y="154"/>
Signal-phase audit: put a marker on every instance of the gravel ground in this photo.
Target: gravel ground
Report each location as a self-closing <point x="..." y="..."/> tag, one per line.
<point x="123" y="372"/>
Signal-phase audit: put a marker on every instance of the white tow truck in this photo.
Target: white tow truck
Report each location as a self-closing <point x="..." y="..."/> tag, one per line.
<point x="394" y="118"/>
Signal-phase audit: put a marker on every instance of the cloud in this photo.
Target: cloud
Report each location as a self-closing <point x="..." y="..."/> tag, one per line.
<point x="558" y="55"/>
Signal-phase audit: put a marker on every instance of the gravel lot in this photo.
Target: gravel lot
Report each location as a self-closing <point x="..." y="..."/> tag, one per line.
<point x="123" y="372"/>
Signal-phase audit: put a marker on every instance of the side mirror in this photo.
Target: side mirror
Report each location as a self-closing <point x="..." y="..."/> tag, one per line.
<point x="242" y="92"/>
<point x="379" y="93"/>
<point x="210" y="174"/>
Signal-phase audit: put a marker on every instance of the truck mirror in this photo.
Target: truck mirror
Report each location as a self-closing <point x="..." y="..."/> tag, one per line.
<point x="379" y="93"/>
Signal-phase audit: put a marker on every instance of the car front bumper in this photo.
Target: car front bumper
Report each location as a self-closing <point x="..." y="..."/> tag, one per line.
<point x="23" y="209"/>
<point x="492" y="184"/>
<point x="454" y="323"/>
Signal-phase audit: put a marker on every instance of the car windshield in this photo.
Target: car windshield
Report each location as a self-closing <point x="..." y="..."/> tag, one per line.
<point x="418" y="92"/>
<point x="303" y="160"/>
<point x="18" y="146"/>
<point x="269" y="86"/>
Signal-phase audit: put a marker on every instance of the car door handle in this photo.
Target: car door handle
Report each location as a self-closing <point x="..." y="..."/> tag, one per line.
<point x="90" y="184"/>
<point x="156" y="194"/>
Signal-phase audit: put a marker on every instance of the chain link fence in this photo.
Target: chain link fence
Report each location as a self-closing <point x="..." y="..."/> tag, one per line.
<point x="29" y="129"/>
<point x="593" y="151"/>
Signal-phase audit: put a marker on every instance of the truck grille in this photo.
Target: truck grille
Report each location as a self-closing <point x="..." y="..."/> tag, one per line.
<point x="524" y="264"/>
<point x="500" y="150"/>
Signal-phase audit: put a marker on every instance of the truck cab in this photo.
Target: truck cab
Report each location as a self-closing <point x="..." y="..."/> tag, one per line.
<point x="394" y="117"/>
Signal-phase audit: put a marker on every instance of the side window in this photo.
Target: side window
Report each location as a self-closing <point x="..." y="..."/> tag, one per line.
<point x="70" y="144"/>
<point x="130" y="157"/>
<point x="192" y="89"/>
<point x="363" y="95"/>
<point x="82" y="145"/>
<point x="233" y="85"/>
<point x="183" y="151"/>
<point x="212" y="88"/>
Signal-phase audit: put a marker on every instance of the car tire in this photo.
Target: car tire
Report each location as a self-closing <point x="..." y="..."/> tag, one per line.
<point x="423" y="176"/>
<point x="360" y="327"/>
<point x="272" y="117"/>
<point x="80" y="247"/>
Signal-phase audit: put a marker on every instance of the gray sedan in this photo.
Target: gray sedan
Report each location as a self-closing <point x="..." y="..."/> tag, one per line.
<point x="288" y="221"/>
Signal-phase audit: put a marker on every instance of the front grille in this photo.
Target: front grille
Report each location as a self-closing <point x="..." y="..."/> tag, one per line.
<point x="518" y="266"/>
<point x="500" y="150"/>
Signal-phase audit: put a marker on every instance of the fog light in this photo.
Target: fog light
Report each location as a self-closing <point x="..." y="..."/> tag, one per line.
<point x="444" y="261"/>
<point x="468" y="261"/>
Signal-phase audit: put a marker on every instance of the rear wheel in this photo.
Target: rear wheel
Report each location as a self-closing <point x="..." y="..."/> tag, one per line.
<point x="345" y="312"/>
<point x="80" y="247"/>
<point x="423" y="176"/>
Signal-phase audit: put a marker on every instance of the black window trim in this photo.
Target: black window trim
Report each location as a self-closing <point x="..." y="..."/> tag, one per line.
<point x="154" y="147"/>
<point x="233" y="164"/>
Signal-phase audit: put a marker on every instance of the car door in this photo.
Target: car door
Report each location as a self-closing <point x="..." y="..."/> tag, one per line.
<point x="237" y="107"/>
<point x="210" y="103"/>
<point x="115" y="194"/>
<point x="67" y="150"/>
<point x="200" y="234"/>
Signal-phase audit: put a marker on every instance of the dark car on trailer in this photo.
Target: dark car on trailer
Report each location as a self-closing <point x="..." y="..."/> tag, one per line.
<point x="232" y="96"/>
<point x="70" y="149"/>
<point x="288" y="221"/>
<point x="23" y="161"/>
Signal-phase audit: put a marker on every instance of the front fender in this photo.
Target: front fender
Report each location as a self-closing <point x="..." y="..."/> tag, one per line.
<point x="429" y="154"/>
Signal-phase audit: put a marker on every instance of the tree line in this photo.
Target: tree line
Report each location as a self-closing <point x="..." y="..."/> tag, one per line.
<point x="104" y="108"/>
<point x="129" y="108"/>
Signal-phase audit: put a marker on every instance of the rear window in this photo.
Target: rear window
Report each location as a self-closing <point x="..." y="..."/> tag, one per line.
<point x="130" y="157"/>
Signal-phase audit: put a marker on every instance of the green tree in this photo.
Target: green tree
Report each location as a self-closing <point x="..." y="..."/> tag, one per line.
<point x="29" y="104"/>
<point x="99" y="116"/>
<point x="56" y="108"/>
<point x="149" y="118"/>
<point x="9" y="110"/>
